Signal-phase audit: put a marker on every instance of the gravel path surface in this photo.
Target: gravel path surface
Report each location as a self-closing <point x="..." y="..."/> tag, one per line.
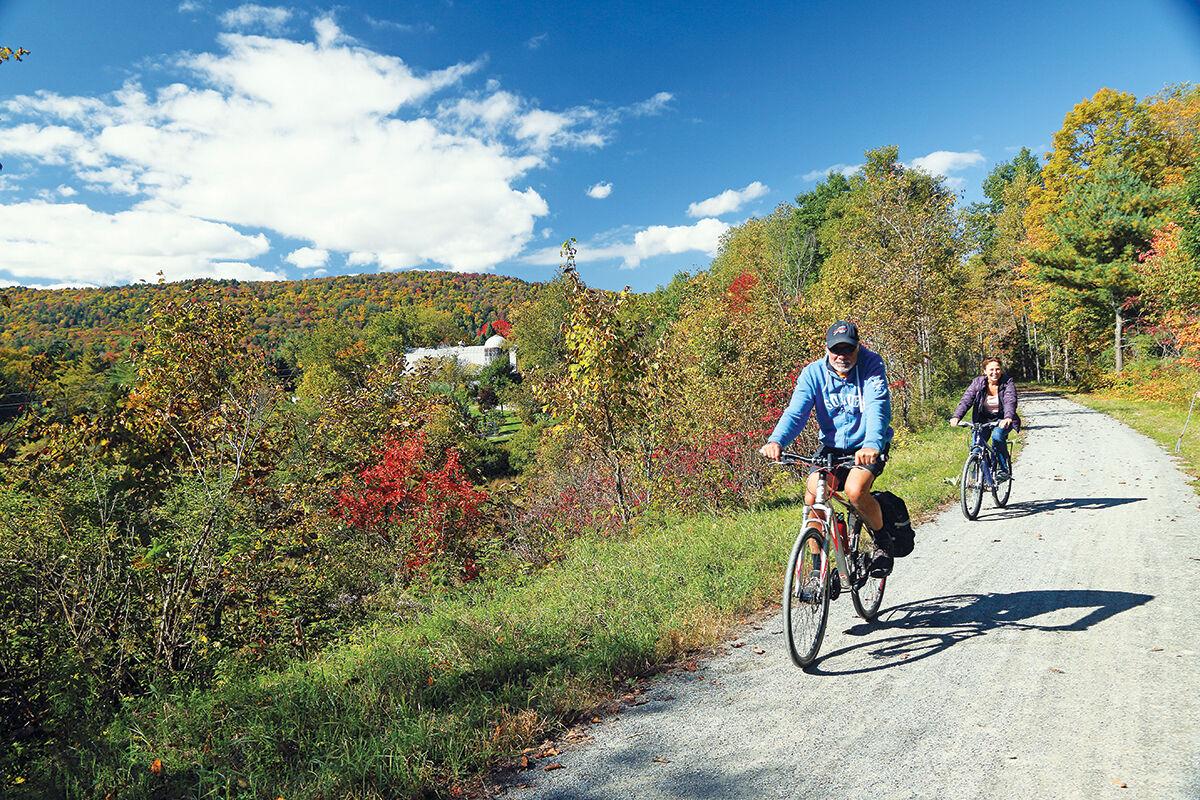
<point x="1048" y="650"/>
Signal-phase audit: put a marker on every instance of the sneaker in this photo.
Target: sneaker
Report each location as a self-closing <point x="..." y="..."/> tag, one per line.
<point x="1001" y="476"/>
<point x="881" y="564"/>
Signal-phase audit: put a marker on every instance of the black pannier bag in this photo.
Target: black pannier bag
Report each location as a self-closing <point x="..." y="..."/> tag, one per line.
<point x="897" y="538"/>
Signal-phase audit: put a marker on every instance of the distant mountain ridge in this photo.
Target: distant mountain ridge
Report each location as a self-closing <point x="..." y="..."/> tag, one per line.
<point x="41" y="319"/>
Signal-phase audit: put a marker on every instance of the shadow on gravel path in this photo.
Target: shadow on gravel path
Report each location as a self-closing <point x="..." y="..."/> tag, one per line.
<point x="941" y="622"/>
<point x="1029" y="507"/>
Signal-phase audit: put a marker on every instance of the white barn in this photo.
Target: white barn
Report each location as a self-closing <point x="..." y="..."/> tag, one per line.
<point x="468" y="355"/>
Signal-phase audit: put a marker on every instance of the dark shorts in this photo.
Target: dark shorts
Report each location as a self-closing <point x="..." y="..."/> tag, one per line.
<point x="875" y="469"/>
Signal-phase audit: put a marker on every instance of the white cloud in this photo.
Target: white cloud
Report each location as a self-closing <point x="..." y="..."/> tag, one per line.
<point x="652" y="105"/>
<point x="727" y="201"/>
<point x="189" y="7"/>
<point x="703" y="236"/>
<point x="944" y="162"/>
<point x="69" y="242"/>
<point x="600" y="190"/>
<point x="387" y="24"/>
<point x="317" y="273"/>
<point x="841" y="169"/>
<point x="534" y="42"/>
<point x="66" y="191"/>
<point x="249" y="16"/>
<point x="308" y="257"/>
<point x="325" y="141"/>
<point x="316" y="142"/>
<point x="53" y="144"/>
<point x="940" y="163"/>
<point x="539" y="130"/>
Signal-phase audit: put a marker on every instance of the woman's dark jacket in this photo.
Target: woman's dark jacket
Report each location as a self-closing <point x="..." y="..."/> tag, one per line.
<point x="975" y="398"/>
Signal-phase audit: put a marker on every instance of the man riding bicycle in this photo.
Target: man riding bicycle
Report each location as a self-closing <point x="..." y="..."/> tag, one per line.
<point x="848" y="389"/>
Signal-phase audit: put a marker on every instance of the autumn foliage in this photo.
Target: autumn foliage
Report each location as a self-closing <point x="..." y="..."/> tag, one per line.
<point x="422" y="504"/>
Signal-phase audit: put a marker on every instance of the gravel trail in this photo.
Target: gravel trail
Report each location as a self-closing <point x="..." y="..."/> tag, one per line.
<point x="1048" y="650"/>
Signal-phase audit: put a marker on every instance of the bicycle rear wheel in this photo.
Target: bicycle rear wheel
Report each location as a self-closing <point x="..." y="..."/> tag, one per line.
<point x="972" y="486"/>
<point x="865" y="592"/>
<point x="806" y="598"/>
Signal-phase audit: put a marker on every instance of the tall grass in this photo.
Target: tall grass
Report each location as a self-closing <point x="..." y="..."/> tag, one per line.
<point x="424" y="708"/>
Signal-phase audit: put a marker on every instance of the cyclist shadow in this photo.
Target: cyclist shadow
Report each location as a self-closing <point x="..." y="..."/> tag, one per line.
<point x="1030" y="507"/>
<point x="942" y="622"/>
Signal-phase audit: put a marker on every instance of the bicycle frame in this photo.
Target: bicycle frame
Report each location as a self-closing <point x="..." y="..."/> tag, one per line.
<point x="980" y="438"/>
<point x="837" y="523"/>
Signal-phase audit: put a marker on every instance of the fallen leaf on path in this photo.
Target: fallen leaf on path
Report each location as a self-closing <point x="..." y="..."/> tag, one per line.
<point x="548" y="752"/>
<point x="661" y="760"/>
<point x="595" y="719"/>
<point x="1155" y="649"/>
<point x="738" y="643"/>
<point x="524" y="762"/>
<point x="995" y="540"/>
<point x="552" y="767"/>
<point x="1059" y="671"/>
<point x="690" y="666"/>
<point x="759" y="651"/>
<point x="1120" y="784"/>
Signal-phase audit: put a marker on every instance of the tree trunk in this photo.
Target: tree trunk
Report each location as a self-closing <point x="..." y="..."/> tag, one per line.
<point x="1119" y="322"/>
<point x="1037" y="354"/>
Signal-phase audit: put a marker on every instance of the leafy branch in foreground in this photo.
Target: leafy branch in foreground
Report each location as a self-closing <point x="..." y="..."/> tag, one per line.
<point x="7" y="52"/>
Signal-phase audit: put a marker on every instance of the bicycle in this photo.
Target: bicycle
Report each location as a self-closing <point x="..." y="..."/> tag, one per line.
<point x="812" y="580"/>
<point x="979" y="471"/>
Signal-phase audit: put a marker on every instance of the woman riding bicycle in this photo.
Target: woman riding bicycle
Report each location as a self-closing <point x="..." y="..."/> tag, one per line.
<point x="992" y="397"/>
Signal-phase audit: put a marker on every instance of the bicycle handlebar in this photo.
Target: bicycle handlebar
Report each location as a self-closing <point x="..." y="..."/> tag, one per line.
<point x="828" y="462"/>
<point x="965" y="424"/>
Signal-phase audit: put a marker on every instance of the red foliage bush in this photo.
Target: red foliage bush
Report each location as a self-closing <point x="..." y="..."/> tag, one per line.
<point x="500" y="326"/>
<point x="430" y="511"/>
<point x="740" y="292"/>
<point x="726" y="472"/>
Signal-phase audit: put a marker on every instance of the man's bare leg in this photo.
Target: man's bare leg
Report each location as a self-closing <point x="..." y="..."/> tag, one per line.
<point x="810" y="497"/>
<point x="858" y="492"/>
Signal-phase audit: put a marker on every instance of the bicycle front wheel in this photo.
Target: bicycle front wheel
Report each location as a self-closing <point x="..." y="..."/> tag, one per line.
<point x="806" y="597"/>
<point x="865" y="592"/>
<point x="1000" y="493"/>
<point x="972" y="486"/>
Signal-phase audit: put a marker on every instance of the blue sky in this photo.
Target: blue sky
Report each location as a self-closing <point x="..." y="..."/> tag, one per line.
<point x="207" y="138"/>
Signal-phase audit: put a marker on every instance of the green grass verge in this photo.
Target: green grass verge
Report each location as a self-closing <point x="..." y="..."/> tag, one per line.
<point x="420" y="709"/>
<point x="1158" y="420"/>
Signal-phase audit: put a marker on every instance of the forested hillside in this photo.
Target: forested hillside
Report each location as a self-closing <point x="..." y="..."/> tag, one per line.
<point x="239" y="494"/>
<point x="41" y="319"/>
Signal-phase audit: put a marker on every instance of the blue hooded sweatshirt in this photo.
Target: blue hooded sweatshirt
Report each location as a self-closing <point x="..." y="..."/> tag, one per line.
<point x="852" y="412"/>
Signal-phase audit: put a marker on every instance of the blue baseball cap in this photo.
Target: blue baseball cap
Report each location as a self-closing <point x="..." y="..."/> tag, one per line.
<point x="841" y="332"/>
